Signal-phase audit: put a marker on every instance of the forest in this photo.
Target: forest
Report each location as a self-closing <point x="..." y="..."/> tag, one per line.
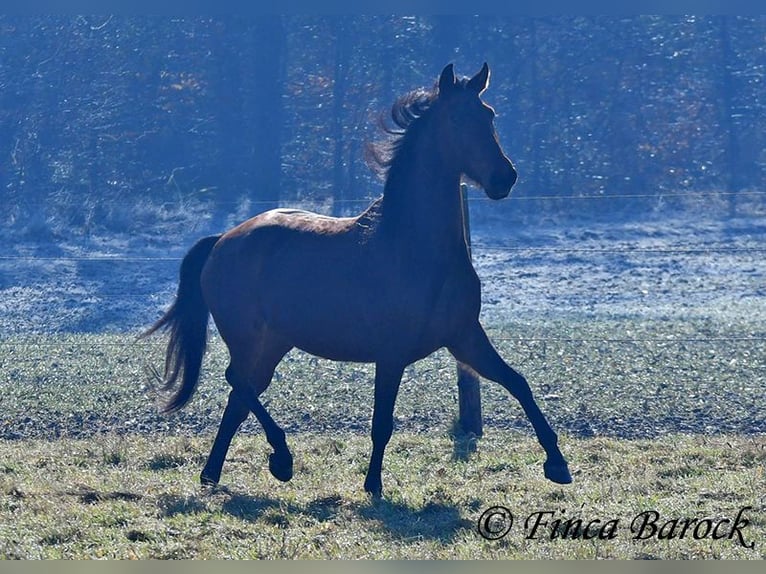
<point x="112" y="123"/>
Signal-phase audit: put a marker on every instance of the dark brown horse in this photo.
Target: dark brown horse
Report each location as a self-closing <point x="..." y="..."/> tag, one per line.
<point x="389" y="286"/>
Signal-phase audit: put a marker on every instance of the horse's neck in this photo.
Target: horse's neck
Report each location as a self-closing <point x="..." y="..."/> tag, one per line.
<point x="422" y="206"/>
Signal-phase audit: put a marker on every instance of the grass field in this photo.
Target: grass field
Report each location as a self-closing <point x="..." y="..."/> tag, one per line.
<point x="137" y="497"/>
<point x="662" y="416"/>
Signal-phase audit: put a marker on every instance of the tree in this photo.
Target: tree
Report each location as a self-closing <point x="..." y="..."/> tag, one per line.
<point x="268" y="75"/>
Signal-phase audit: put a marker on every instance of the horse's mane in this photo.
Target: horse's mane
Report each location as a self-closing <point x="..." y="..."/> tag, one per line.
<point x="405" y="112"/>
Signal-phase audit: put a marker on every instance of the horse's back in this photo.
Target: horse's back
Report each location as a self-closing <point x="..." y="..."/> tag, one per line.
<point x="290" y="221"/>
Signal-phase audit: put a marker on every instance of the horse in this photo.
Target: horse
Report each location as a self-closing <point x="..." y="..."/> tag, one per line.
<point x="389" y="286"/>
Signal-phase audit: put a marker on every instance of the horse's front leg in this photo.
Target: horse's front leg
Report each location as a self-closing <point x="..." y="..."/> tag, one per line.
<point x="476" y="351"/>
<point x="387" y="381"/>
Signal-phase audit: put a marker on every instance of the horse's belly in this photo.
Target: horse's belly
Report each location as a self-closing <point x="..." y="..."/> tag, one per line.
<point x="365" y="321"/>
<point x="341" y="328"/>
<point x="372" y="348"/>
<point x="337" y="349"/>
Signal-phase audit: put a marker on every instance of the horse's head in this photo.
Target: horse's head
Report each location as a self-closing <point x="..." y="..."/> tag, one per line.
<point x="469" y="133"/>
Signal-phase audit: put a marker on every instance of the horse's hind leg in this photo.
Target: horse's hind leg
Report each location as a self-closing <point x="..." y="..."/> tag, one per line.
<point x="476" y="351"/>
<point x="233" y="416"/>
<point x="249" y="374"/>
<point x="280" y="461"/>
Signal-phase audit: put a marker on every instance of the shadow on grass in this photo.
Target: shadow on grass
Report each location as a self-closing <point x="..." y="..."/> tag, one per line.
<point x="275" y="511"/>
<point x="463" y="444"/>
<point x="434" y="521"/>
<point x="249" y="508"/>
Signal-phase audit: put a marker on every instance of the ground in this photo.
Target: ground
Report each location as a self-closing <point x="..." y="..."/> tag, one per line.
<point x="633" y="328"/>
<point x="676" y="264"/>
<point x="642" y="340"/>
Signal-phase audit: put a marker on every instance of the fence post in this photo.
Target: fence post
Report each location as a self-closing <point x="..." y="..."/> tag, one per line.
<point x="469" y="395"/>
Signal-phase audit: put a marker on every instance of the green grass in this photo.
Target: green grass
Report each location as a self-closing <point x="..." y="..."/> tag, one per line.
<point x="662" y="416"/>
<point x="624" y="378"/>
<point x="137" y="497"/>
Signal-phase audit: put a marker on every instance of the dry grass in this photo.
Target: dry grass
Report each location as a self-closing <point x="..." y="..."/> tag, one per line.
<point x="137" y="497"/>
<point x="90" y="469"/>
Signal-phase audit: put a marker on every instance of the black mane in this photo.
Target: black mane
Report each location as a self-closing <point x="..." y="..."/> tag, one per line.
<point x="405" y="111"/>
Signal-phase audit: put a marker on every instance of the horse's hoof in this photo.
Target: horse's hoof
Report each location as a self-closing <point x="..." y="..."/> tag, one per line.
<point x="206" y="481"/>
<point x="281" y="466"/>
<point x="374" y="488"/>
<point x="557" y="472"/>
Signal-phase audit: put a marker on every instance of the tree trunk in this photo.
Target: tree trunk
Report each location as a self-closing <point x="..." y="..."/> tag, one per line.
<point x="268" y="68"/>
<point x="725" y="89"/>
<point x="340" y="171"/>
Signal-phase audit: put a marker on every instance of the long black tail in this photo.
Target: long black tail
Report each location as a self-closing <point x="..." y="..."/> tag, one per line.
<point x="187" y="321"/>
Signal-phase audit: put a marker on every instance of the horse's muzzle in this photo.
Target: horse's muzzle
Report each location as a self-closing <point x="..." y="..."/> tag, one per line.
<point x="500" y="185"/>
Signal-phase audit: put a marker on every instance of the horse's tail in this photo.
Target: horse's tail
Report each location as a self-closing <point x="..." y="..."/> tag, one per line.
<point x="187" y="321"/>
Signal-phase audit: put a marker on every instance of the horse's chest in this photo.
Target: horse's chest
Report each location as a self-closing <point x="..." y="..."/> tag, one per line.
<point x="459" y="299"/>
<point x="436" y="306"/>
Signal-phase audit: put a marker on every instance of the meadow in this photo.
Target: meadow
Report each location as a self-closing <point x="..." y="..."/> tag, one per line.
<point x="655" y="416"/>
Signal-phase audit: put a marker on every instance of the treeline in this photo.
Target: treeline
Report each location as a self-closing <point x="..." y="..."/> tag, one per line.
<point x="123" y="121"/>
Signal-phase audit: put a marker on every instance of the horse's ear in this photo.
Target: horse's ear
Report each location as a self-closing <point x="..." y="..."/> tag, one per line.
<point x="447" y="79"/>
<point x="480" y="81"/>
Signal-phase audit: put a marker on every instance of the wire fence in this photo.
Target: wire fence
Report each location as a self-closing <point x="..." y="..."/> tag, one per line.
<point x="132" y="340"/>
<point x="476" y="196"/>
<point x="476" y="249"/>
<point x="480" y="197"/>
<point x="747" y="245"/>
